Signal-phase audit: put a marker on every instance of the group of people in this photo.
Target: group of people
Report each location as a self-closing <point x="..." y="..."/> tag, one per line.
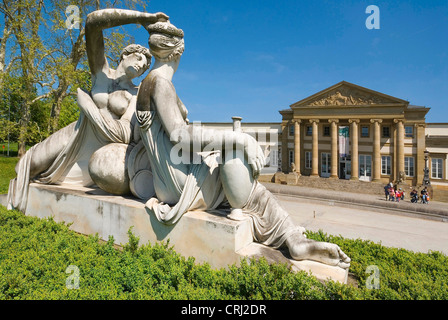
<point x="393" y="193"/>
<point x="424" y="196"/>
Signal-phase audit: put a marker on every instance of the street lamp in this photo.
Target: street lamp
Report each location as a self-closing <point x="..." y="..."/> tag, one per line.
<point x="426" y="181"/>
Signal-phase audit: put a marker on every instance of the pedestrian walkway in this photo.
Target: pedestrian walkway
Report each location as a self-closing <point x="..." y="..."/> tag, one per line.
<point x="435" y="210"/>
<point x="387" y="227"/>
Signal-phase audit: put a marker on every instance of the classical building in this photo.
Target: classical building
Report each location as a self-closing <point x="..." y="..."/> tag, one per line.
<point x="350" y="132"/>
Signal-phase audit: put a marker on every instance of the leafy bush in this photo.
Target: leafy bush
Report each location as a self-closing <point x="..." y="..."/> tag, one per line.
<point x="7" y="172"/>
<point x="35" y="255"/>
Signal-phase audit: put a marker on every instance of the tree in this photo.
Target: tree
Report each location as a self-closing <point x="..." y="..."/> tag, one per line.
<point x="48" y="56"/>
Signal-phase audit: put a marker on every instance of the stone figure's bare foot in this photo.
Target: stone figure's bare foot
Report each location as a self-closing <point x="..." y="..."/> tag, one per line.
<point x="301" y="248"/>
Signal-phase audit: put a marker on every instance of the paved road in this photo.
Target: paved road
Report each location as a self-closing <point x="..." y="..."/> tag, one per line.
<point x="389" y="229"/>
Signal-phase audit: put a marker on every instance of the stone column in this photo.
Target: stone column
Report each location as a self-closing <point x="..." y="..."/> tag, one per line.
<point x="354" y="149"/>
<point x="420" y="156"/>
<point x="334" y="147"/>
<point x="400" y="148"/>
<point x="297" y="144"/>
<point x="376" y="150"/>
<point x="284" y="154"/>
<point x="315" y="154"/>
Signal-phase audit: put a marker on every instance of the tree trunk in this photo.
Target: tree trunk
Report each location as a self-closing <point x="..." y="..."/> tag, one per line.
<point x="23" y="131"/>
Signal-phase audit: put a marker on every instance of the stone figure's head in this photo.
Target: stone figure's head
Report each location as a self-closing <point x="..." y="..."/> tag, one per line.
<point x="166" y="42"/>
<point x="135" y="60"/>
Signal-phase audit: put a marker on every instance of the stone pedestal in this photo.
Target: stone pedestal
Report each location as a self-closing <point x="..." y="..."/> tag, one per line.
<point x="292" y="178"/>
<point x="280" y="177"/>
<point x="208" y="236"/>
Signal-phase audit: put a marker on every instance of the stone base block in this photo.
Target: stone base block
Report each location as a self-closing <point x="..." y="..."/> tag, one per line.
<point x="292" y="178"/>
<point x="208" y="236"/>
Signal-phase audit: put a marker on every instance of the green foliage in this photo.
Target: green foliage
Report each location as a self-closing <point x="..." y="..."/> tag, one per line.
<point x="35" y="254"/>
<point x="45" y="62"/>
<point x="403" y="274"/>
<point x="7" y="171"/>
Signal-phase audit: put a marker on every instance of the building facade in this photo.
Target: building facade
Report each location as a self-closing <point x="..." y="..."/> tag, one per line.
<point x="266" y="134"/>
<point x="350" y="132"/>
<point x="436" y="139"/>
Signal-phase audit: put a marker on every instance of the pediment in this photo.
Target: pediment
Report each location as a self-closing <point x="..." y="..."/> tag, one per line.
<point x="347" y="94"/>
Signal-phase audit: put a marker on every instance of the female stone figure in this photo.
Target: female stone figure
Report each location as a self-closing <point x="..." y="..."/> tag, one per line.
<point x="218" y="174"/>
<point x="107" y="114"/>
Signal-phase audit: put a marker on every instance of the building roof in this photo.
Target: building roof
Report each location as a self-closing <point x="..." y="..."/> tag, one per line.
<point x="346" y="93"/>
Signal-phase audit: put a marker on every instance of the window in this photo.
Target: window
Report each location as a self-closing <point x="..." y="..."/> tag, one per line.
<point x="273" y="158"/>
<point x="291" y="157"/>
<point x="326" y="131"/>
<point x="308" y="159"/>
<point x="386" y="132"/>
<point x="365" y="131"/>
<point x="291" y="130"/>
<point x="436" y="168"/>
<point x="385" y="165"/>
<point x="326" y="165"/>
<point x="309" y="130"/>
<point x="365" y="167"/>
<point x="409" y="166"/>
<point x="409" y="131"/>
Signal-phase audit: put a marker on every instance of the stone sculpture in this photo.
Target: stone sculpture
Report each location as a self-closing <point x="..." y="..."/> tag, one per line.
<point x="145" y="130"/>
<point x="226" y="172"/>
<point x="107" y="114"/>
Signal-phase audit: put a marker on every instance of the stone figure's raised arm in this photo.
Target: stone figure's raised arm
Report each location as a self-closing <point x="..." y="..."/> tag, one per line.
<point x="99" y="20"/>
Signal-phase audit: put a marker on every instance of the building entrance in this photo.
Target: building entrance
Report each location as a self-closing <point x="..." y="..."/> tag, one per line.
<point x="345" y="167"/>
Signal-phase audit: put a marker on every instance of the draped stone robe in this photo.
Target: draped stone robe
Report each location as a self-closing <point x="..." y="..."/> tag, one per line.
<point x="64" y="156"/>
<point x="185" y="187"/>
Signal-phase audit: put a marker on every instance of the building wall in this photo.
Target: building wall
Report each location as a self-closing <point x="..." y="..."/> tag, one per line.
<point x="436" y="136"/>
<point x="267" y="135"/>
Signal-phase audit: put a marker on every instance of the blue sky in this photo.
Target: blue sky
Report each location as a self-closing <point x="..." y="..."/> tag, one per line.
<point x="252" y="58"/>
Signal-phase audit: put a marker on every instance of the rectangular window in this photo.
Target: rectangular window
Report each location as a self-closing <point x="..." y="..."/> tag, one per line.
<point x="291" y="157"/>
<point x="291" y="130"/>
<point x="385" y="165"/>
<point x="409" y="166"/>
<point x="365" y="131"/>
<point x="365" y="166"/>
<point x="308" y="159"/>
<point x="386" y="132"/>
<point x="326" y="164"/>
<point x="309" y="130"/>
<point x="273" y="158"/>
<point x="409" y="131"/>
<point x="326" y="131"/>
<point x="437" y="168"/>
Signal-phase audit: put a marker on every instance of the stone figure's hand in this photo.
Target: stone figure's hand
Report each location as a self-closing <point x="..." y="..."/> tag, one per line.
<point x="255" y="155"/>
<point x="153" y="18"/>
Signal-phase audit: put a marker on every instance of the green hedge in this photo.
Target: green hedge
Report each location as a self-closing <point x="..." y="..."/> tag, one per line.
<point x="35" y="255"/>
